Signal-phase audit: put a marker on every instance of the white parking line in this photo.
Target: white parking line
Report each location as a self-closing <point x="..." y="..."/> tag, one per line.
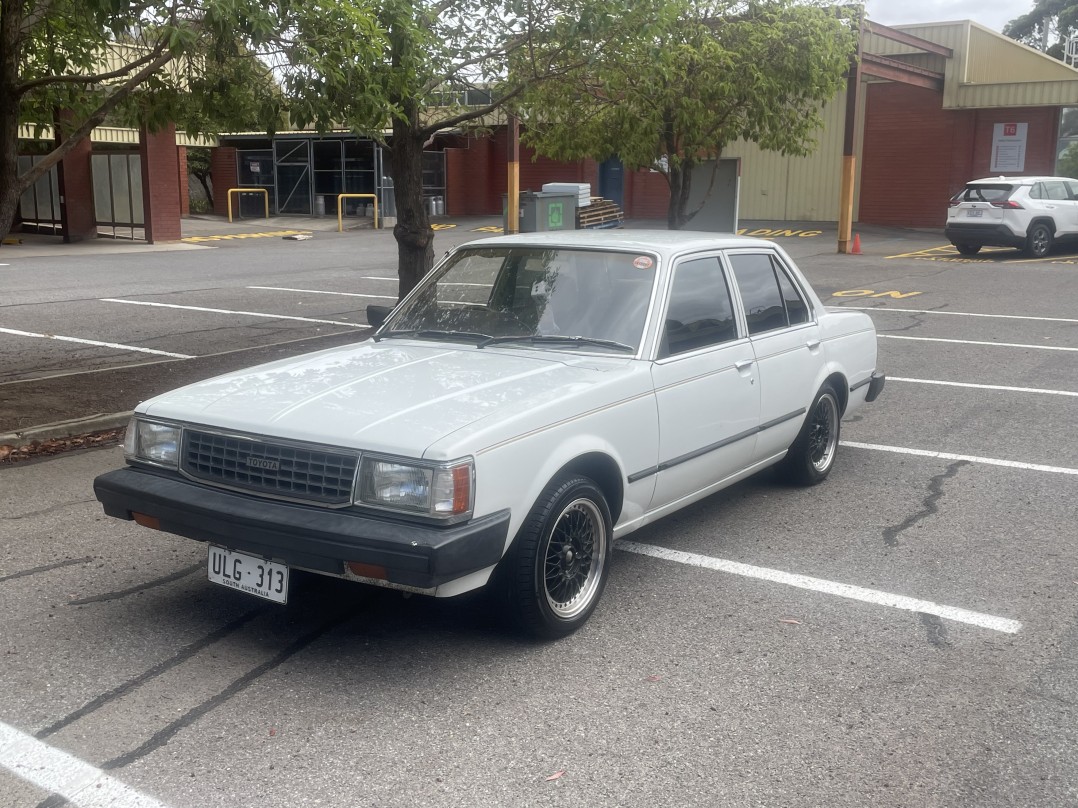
<point x="988" y="461"/>
<point x="95" y="343"/>
<point x="862" y="594"/>
<point x="974" y="342"/>
<point x="58" y="772"/>
<point x="229" y="311"/>
<point x="320" y="292"/>
<point x="961" y="314"/>
<point x="1001" y="387"/>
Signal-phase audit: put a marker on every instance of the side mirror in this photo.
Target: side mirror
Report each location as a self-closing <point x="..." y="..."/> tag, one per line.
<point x="376" y="315"/>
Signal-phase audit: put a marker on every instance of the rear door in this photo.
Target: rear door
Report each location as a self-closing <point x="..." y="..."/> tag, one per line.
<point x="974" y="204"/>
<point x="785" y="340"/>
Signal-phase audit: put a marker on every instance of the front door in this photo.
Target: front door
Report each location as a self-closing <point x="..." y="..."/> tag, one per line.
<point x="612" y="181"/>
<point x="705" y="386"/>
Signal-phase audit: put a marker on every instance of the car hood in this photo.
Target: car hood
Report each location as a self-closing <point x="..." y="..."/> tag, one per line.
<point x="394" y="396"/>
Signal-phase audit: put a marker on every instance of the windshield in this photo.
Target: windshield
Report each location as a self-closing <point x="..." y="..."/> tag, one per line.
<point x="589" y="300"/>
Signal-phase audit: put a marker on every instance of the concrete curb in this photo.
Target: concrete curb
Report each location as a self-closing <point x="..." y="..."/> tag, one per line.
<point x="65" y="429"/>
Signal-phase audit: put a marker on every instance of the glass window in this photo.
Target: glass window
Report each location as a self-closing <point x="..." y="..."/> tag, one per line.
<point x="796" y="308"/>
<point x="700" y="311"/>
<point x="559" y="299"/>
<point x="765" y="309"/>
<point x="985" y="193"/>
<point x="1037" y="191"/>
<point x="1056" y="189"/>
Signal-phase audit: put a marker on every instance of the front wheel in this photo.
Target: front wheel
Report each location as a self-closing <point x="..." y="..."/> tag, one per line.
<point x="1039" y="240"/>
<point x="557" y="568"/>
<point x="812" y="454"/>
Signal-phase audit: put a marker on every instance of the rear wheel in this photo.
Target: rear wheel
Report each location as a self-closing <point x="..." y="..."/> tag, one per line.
<point x="557" y="568"/>
<point x="1039" y="240"/>
<point x="812" y="454"/>
<point x="968" y="249"/>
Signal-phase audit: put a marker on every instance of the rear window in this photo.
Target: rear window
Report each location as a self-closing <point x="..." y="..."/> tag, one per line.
<point x="984" y="193"/>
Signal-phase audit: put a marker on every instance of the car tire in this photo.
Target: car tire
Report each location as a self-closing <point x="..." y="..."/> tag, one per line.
<point x="557" y="568"/>
<point x="968" y="249"/>
<point x="812" y="454"/>
<point x="1039" y="240"/>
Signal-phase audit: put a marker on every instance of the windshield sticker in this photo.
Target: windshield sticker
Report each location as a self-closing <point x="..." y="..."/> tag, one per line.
<point x="643" y="262"/>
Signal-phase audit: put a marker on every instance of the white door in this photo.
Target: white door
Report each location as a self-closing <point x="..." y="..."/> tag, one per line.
<point x="705" y="384"/>
<point x="786" y="344"/>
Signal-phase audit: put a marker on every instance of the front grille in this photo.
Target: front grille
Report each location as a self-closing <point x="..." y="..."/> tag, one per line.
<point x="274" y="469"/>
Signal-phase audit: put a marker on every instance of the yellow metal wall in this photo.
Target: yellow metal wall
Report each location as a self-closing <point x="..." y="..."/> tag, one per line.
<point x="779" y="188"/>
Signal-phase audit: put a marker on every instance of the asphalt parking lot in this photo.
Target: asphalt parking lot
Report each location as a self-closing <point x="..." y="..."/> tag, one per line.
<point x="905" y="634"/>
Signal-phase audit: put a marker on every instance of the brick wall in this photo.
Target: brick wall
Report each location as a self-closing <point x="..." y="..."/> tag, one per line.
<point x="185" y="191"/>
<point x="647" y="196"/>
<point x="160" y="184"/>
<point x="224" y="175"/>
<point x="77" y="191"/>
<point x="917" y="155"/>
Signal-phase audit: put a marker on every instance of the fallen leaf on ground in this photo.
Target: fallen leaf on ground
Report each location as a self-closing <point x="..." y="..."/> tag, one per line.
<point x="790" y="620"/>
<point x="653" y="679"/>
<point x="556" y="775"/>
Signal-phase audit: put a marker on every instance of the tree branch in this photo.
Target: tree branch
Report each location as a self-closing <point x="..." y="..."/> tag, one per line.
<point x="42" y="81"/>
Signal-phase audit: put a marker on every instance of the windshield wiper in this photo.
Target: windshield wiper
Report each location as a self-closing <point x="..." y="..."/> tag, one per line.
<point x="431" y="333"/>
<point x="556" y="339"/>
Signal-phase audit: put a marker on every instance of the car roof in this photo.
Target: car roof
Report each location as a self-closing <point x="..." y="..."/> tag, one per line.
<point x="1016" y="180"/>
<point x="664" y="242"/>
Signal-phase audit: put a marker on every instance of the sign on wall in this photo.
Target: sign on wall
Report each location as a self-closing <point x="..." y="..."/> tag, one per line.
<point x="1009" y="147"/>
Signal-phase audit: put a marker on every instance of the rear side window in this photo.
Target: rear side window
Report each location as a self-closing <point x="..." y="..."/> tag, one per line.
<point x="770" y="298"/>
<point x="985" y="193"/>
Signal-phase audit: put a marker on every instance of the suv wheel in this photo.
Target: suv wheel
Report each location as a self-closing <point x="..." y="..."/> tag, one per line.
<point x="968" y="249"/>
<point x="1039" y="240"/>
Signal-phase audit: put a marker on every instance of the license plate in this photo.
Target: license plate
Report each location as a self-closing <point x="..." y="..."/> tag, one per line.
<point x="248" y="573"/>
<point x="975" y="213"/>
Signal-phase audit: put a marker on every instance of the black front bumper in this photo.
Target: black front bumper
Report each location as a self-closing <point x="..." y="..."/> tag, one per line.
<point x="980" y="235"/>
<point x="320" y="539"/>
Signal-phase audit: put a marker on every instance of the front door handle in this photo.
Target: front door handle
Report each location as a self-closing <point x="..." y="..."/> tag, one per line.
<point x="813" y="344"/>
<point x="743" y="365"/>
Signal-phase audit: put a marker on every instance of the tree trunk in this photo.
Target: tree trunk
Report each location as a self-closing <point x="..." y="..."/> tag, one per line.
<point x="10" y="51"/>
<point x="679" y="178"/>
<point x="415" y="239"/>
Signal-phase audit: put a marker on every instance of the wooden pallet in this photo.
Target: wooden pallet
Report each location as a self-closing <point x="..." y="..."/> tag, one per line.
<point x="600" y="214"/>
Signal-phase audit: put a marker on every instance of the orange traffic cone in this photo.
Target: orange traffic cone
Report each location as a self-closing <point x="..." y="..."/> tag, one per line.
<point x="856" y="245"/>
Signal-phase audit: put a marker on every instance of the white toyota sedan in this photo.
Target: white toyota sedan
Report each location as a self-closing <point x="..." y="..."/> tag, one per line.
<point x="534" y="399"/>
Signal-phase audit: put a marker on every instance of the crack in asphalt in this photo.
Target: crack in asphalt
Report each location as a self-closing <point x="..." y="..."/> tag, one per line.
<point x="937" y="629"/>
<point x="929" y="504"/>
<point x="175" y="576"/>
<point x="164" y="666"/>
<point x="44" y="511"/>
<point x="45" y="568"/>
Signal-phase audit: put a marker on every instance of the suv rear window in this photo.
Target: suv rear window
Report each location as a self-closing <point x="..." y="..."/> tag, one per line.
<point x="984" y="193"/>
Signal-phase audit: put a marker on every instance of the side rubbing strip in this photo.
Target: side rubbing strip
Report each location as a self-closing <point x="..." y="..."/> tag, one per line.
<point x="685" y="458"/>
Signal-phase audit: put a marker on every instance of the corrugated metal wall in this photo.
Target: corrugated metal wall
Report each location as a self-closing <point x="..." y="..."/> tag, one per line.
<point x="774" y="187"/>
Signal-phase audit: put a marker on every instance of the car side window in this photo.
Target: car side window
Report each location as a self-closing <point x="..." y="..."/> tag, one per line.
<point x="700" y="312"/>
<point x="1037" y="191"/>
<point x="765" y="308"/>
<point x="796" y="309"/>
<point x="1072" y="186"/>
<point x="1056" y="190"/>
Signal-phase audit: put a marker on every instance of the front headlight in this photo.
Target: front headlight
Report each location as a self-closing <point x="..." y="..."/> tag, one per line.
<point x="441" y="491"/>
<point x="152" y="442"/>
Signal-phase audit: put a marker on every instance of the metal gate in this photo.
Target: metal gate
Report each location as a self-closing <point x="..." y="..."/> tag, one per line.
<point x="39" y="205"/>
<point x="292" y="167"/>
<point x="117" y="178"/>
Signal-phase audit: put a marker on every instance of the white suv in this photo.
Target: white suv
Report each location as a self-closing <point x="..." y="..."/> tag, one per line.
<point x="1031" y="213"/>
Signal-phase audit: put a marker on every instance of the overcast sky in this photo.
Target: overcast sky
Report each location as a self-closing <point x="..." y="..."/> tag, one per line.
<point x="993" y="14"/>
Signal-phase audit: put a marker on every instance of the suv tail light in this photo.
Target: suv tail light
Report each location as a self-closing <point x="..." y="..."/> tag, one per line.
<point x="1009" y="204"/>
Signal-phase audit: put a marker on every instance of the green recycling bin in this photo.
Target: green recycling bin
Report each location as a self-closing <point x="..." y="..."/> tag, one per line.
<point x="542" y="212"/>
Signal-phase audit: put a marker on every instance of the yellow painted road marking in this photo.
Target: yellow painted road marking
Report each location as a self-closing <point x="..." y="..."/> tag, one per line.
<point x="488" y="229"/>
<point x="442" y="226"/>
<point x="233" y="236"/>
<point x="873" y="293"/>
<point x="989" y="255"/>
<point x="765" y="232"/>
